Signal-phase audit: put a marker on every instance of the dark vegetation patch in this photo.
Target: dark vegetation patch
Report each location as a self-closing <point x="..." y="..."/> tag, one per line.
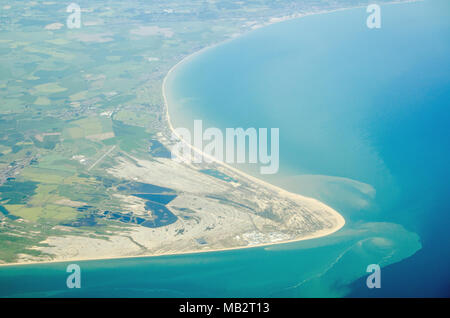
<point x="15" y="192"/>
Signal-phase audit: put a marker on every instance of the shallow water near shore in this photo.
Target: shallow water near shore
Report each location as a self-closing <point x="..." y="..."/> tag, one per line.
<point x="363" y="118"/>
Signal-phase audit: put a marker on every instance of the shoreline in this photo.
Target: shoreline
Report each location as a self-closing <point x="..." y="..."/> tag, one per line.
<point x="310" y="237"/>
<point x="282" y="192"/>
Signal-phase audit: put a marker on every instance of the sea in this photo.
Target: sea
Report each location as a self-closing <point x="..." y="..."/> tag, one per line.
<point x="364" y="125"/>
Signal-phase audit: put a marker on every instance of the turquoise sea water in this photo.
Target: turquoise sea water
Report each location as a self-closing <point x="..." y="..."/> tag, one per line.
<point x="364" y="127"/>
